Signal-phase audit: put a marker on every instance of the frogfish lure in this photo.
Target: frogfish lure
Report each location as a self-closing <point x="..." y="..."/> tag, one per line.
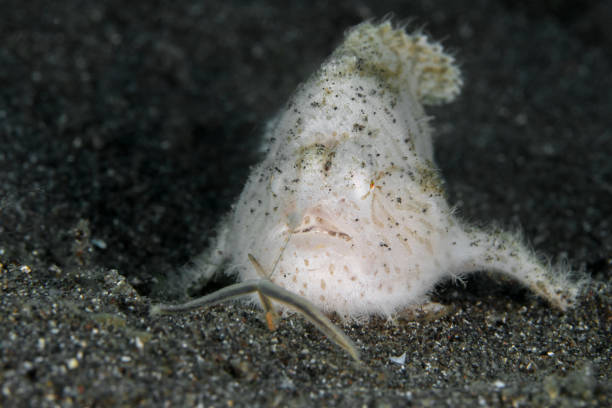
<point x="347" y="212"/>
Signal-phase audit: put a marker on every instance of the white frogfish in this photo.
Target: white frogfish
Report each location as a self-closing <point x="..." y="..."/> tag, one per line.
<point x="348" y="209"/>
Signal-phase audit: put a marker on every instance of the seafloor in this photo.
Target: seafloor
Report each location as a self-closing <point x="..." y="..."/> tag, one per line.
<point x="128" y="128"/>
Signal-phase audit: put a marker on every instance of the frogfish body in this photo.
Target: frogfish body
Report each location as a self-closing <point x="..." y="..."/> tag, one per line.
<point x="348" y="207"/>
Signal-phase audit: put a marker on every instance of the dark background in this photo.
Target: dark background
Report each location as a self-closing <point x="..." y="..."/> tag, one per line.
<point x="127" y="130"/>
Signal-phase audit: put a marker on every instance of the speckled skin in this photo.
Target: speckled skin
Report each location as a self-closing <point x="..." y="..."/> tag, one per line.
<point x="348" y="207"/>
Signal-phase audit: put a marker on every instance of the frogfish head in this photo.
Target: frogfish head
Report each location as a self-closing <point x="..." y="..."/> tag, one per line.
<point x="348" y="238"/>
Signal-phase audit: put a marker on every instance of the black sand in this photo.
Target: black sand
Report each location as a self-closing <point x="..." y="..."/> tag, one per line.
<point x="127" y="131"/>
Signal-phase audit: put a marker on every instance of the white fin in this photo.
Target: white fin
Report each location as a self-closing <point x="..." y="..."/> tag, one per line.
<point x="391" y="52"/>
